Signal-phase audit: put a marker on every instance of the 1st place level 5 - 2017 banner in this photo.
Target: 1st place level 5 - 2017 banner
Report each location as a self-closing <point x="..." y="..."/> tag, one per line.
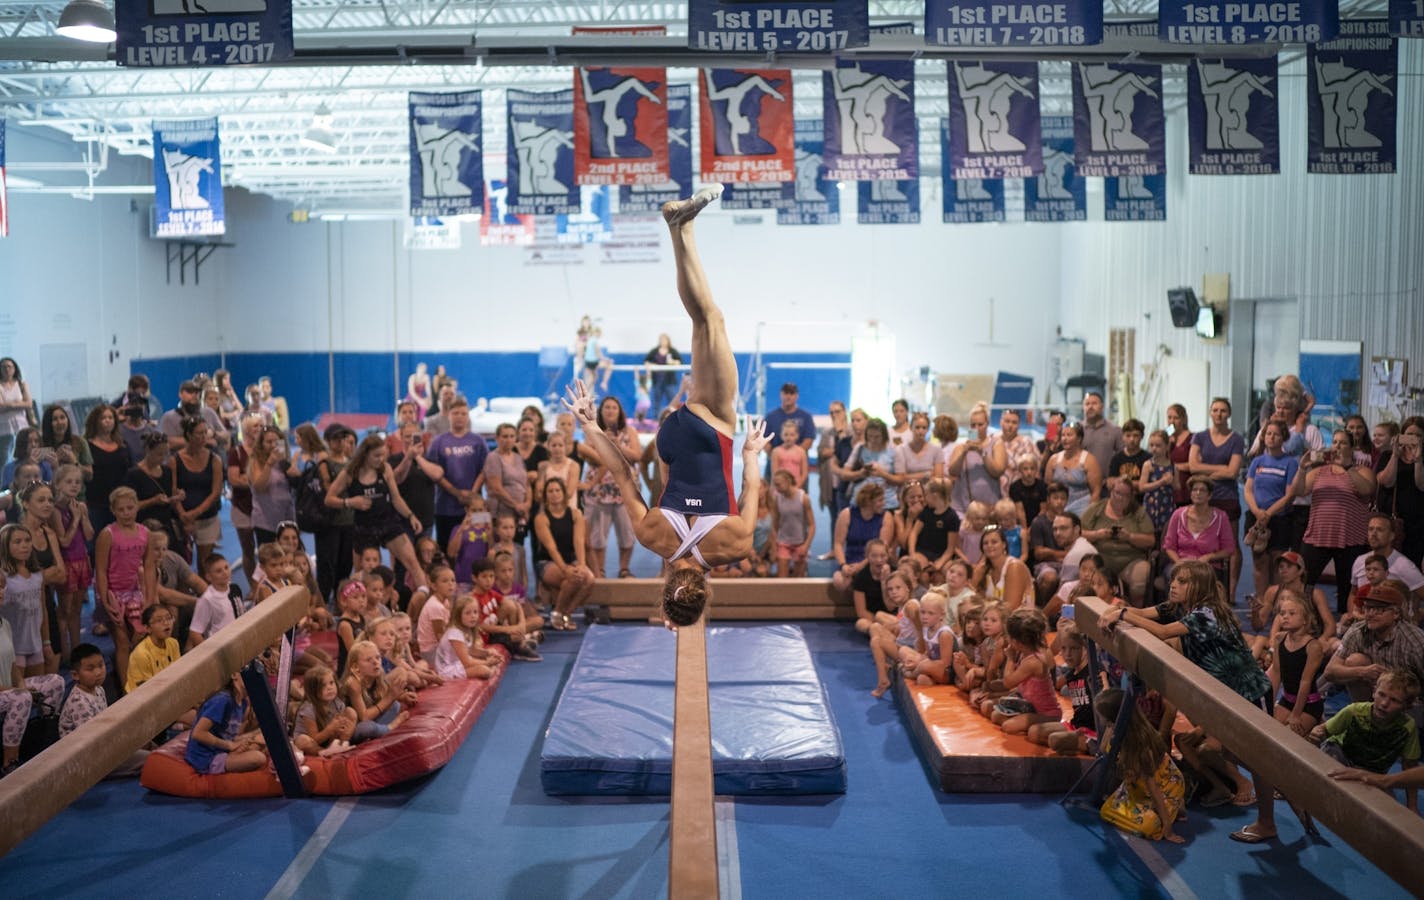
<point x="807" y="26"/>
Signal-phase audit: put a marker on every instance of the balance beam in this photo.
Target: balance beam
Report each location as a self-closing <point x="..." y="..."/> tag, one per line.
<point x="42" y="787"/>
<point x="692" y="844"/>
<point x="732" y="598"/>
<point x="1384" y="831"/>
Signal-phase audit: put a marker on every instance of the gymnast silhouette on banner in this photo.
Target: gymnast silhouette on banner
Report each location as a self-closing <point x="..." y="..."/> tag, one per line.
<point x="699" y="522"/>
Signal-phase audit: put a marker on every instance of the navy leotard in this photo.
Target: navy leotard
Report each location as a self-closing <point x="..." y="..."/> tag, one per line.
<point x="699" y="461"/>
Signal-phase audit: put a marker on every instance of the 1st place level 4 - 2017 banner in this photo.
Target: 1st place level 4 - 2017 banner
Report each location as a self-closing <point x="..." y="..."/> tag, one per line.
<point x="159" y="33"/>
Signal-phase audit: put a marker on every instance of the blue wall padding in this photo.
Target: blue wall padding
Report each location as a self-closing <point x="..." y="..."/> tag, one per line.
<point x="772" y="728"/>
<point x="366" y="382"/>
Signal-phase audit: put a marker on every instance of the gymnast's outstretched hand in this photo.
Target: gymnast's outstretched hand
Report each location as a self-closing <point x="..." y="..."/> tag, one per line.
<point x="757" y="437"/>
<point x="579" y="401"/>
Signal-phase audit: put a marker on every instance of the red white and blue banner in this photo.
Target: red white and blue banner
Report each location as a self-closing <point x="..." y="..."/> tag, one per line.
<point x="1118" y="124"/>
<point x="169" y="33"/>
<point x="1060" y="194"/>
<point x="1217" y="22"/>
<point x="815" y="199"/>
<point x="807" y="26"/>
<point x="747" y="125"/>
<point x="187" y="179"/>
<point x="592" y="224"/>
<point x="970" y="200"/>
<point x="1233" y="117"/>
<point x="499" y="225"/>
<point x="888" y="202"/>
<point x="649" y="198"/>
<point x="540" y="153"/>
<point x="1013" y="23"/>
<point x="1406" y="18"/>
<point x="993" y="120"/>
<point x="447" y="172"/>
<point x="4" y="200"/>
<point x="766" y="195"/>
<point x="1135" y="198"/>
<point x="1352" y="97"/>
<point x="869" y="114"/>
<point x="620" y="126"/>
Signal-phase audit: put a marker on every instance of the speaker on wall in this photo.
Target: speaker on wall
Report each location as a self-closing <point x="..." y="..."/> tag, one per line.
<point x="1184" y="307"/>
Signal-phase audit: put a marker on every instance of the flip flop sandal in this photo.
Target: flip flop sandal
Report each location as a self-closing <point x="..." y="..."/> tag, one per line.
<point x="1247" y="836"/>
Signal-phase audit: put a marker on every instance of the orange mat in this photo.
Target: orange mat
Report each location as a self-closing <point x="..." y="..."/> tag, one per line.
<point x="970" y="754"/>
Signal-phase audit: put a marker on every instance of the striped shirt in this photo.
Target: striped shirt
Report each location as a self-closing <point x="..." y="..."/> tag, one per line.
<point x="1404" y="649"/>
<point x="1339" y="517"/>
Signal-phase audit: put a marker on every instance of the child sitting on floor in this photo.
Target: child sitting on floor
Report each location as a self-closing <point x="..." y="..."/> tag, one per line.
<point x="1028" y="672"/>
<point x="988" y="659"/>
<point x="509" y="589"/>
<point x="223" y="738"/>
<point x="87" y="699"/>
<point x="218" y="606"/>
<point x="928" y="662"/>
<point x="1376" y="734"/>
<point x="431" y="612"/>
<point x="325" y="724"/>
<point x="1073" y="736"/>
<point x="351" y="603"/>
<point x="418" y="672"/>
<point x="379" y="703"/>
<point x="501" y="618"/>
<point x="893" y="630"/>
<point x="461" y="652"/>
<point x="1152" y="795"/>
<point x="156" y="652"/>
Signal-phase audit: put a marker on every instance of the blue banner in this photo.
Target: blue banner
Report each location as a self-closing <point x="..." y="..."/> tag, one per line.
<point x="1013" y="23"/>
<point x="1135" y="198"/>
<point x="1219" y="22"/>
<point x="1118" y="124"/>
<point x="1233" y="117"/>
<point x="649" y="198"/>
<point x="540" y="153"/>
<point x="167" y="33"/>
<point x="187" y="179"/>
<point x="815" y="199"/>
<point x="1406" y="18"/>
<point x="1060" y="194"/>
<point x="809" y="26"/>
<point x="592" y="224"/>
<point x="1352" y="95"/>
<point x="888" y="202"/>
<point x="993" y="120"/>
<point x="970" y="200"/>
<point x="499" y="226"/>
<point x="447" y="173"/>
<point x="869" y="110"/>
<point x="754" y="195"/>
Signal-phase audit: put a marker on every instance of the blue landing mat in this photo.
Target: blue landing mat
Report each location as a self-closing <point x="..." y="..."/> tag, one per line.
<point x="772" y="728"/>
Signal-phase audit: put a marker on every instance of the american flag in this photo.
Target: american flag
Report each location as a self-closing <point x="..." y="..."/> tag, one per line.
<point x="4" y="204"/>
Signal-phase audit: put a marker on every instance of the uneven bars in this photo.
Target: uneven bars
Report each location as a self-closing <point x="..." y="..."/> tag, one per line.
<point x="1385" y="832"/>
<point x="42" y="787"/>
<point x="692" y="844"/>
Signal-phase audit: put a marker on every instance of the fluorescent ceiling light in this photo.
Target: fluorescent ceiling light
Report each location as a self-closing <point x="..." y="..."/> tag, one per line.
<point x="320" y="136"/>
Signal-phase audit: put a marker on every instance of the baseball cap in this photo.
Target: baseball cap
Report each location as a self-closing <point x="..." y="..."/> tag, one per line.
<point x="336" y="430"/>
<point x="1381" y="594"/>
<point x="1291" y="557"/>
<point x="188" y="386"/>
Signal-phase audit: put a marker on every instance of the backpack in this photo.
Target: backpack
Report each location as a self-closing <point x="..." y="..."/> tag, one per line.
<point x="312" y="512"/>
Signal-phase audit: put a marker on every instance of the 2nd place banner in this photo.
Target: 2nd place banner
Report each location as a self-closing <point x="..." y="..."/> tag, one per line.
<point x="1013" y="23"/>
<point x="806" y="27"/>
<point x="167" y="33"/>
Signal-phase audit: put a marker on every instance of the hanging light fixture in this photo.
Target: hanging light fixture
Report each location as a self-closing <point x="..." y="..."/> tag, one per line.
<point x="87" y="20"/>
<point x="320" y="136"/>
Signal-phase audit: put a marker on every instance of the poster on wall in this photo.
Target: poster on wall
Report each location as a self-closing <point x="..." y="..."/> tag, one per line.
<point x="1388" y="388"/>
<point x="173" y="33"/>
<point x="869" y="112"/>
<point x="540" y="152"/>
<point x="1135" y="198"/>
<point x="1330" y="372"/>
<point x="621" y="119"/>
<point x="1118" y="124"/>
<point x="593" y="223"/>
<point x="649" y="198"/>
<point x="1233" y="117"/>
<point x="1352" y="97"/>
<point x="446" y="154"/>
<point x="1060" y="194"/>
<point x="814" y="199"/>
<point x="1013" y="23"/>
<point x="187" y="179"/>
<point x="747" y="125"/>
<point x="993" y="120"/>
<point x="806" y="26"/>
<point x="499" y="225"/>
<point x="1217" y="22"/>
<point x="888" y="202"/>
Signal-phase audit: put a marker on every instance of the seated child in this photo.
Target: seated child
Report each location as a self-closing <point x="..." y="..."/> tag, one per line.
<point x="351" y="603"/>
<point x="223" y="738"/>
<point x="218" y="606"/>
<point x="378" y="703"/>
<point x="379" y="595"/>
<point x="1376" y="574"/>
<point x="1152" y="795"/>
<point x="273" y="560"/>
<point x="1028" y="672"/>
<point x="87" y="699"/>
<point x="431" y="612"/>
<point x="17" y="694"/>
<point x="509" y="589"/>
<point x="418" y="672"/>
<point x="893" y="630"/>
<point x="988" y="660"/>
<point x="928" y="662"/>
<point x="1071" y="737"/>
<point x="505" y="529"/>
<point x="501" y="618"/>
<point x="461" y="652"/>
<point x="157" y="651"/>
<point x="325" y="724"/>
<point x="1376" y="734"/>
<point x="971" y="634"/>
<point x="1006" y="516"/>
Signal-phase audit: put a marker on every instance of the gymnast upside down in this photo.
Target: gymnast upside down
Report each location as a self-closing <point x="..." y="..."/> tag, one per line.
<point x="700" y="525"/>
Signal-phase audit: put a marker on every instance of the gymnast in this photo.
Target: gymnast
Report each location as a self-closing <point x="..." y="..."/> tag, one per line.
<point x="702" y="524"/>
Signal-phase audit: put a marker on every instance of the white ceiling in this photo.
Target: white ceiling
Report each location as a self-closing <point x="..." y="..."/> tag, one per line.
<point x="361" y="57"/>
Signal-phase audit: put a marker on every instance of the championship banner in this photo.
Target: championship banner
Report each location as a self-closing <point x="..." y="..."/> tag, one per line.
<point x="869" y="114"/>
<point x="809" y="26"/>
<point x="446" y="159"/>
<point x="621" y="119"/>
<point x="815" y="200"/>
<point x="746" y="122"/>
<point x="1406" y="18"/>
<point x="1060" y="194"/>
<point x="592" y="224"/>
<point x="768" y="195"/>
<point x="970" y="200"/>
<point x="154" y="33"/>
<point x="1352" y="85"/>
<point x="649" y="198"/>
<point x="1233" y="117"/>
<point x="1118" y="125"/>
<point x="187" y="179"/>
<point x="888" y="202"/>
<point x="1013" y="23"/>
<point x="499" y="226"/>
<point x="540" y="152"/>
<point x="1135" y="198"/>
<point x="993" y="120"/>
<point x="4" y="201"/>
<point x="1247" y="21"/>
